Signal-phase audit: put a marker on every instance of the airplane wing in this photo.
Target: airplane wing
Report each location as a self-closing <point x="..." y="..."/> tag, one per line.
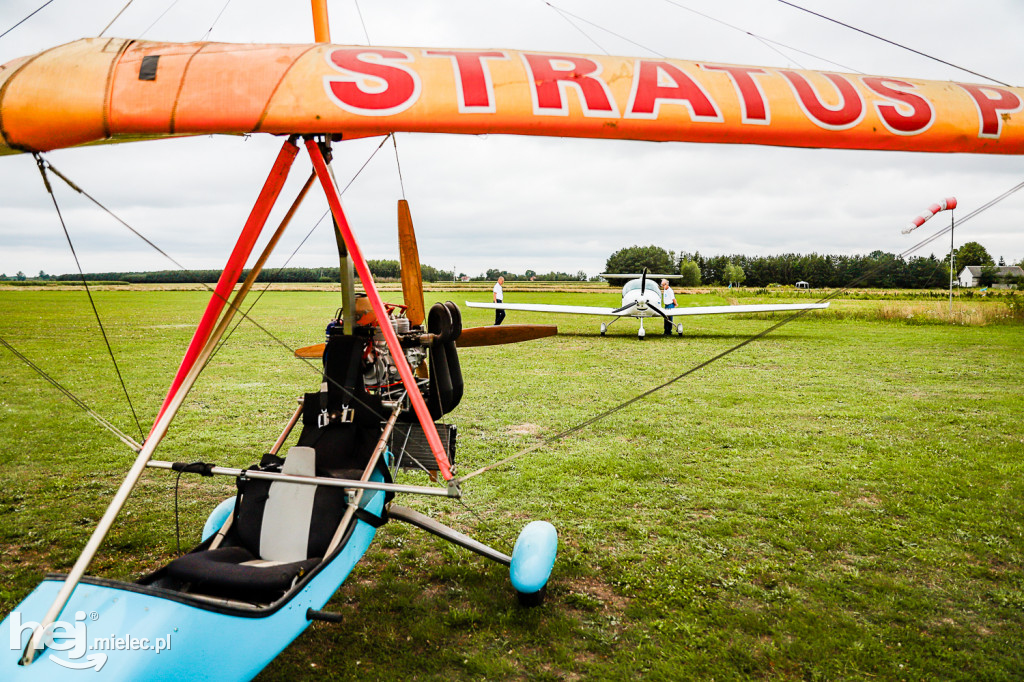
<point x="671" y="312"/>
<point x="541" y="308"/>
<point x="755" y="308"/>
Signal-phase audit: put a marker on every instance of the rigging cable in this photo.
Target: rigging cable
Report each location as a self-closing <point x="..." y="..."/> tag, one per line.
<point x="157" y="20"/>
<point x="46" y="181"/>
<point x="892" y="42"/>
<point x="767" y="42"/>
<point x="102" y="421"/>
<point x="219" y="14"/>
<point x="362" y="21"/>
<point x="229" y="303"/>
<point x="398" y="163"/>
<point x="786" y="320"/>
<point x="116" y="17"/>
<point x="26" y="18"/>
<point x="304" y="239"/>
<point x="565" y="15"/>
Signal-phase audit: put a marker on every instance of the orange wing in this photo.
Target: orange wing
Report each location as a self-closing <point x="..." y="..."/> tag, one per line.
<point x="99" y="89"/>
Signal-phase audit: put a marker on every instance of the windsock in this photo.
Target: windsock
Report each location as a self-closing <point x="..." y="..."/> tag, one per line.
<point x="947" y="204"/>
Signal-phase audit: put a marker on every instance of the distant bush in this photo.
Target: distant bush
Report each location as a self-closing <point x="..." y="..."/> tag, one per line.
<point x="1016" y="305"/>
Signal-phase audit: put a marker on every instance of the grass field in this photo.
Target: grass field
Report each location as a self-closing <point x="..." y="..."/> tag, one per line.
<point x="839" y="500"/>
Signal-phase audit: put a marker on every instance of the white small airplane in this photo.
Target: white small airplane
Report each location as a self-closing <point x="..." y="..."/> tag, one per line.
<point x="642" y="298"/>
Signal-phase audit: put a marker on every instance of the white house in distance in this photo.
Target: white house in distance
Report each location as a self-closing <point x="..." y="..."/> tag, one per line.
<point x="969" y="275"/>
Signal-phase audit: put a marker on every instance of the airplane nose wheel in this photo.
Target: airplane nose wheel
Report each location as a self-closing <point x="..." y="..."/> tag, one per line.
<point x="533" y="557"/>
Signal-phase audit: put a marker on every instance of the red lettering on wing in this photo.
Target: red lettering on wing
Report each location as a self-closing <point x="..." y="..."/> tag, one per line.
<point x="992" y="103"/>
<point x="553" y="75"/>
<point x="376" y="82"/>
<point x="755" y="107"/>
<point x="655" y="82"/>
<point x="846" y="114"/>
<point x="911" y="114"/>
<point x="472" y="78"/>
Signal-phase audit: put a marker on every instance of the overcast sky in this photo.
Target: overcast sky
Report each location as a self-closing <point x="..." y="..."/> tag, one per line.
<point x="539" y="203"/>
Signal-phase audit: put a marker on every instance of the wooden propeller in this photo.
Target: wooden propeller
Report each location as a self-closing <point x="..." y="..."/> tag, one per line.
<point x="494" y="335"/>
<point x="412" y="292"/>
<point x="412" y="277"/>
<point x="491" y="335"/>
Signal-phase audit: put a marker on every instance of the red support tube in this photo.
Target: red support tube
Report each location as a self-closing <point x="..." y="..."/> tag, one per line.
<point x="236" y="262"/>
<point x="415" y="397"/>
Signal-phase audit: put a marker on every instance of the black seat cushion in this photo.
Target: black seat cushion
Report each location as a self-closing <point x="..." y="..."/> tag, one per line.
<point x="223" y="569"/>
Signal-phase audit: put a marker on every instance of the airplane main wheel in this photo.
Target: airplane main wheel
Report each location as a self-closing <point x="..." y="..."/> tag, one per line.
<point x="604" y="328"/>
<point x="679" y="329"/>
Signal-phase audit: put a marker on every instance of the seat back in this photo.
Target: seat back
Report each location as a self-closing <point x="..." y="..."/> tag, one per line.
<point x="286" y="522"/>
<point x="288" y="512"/>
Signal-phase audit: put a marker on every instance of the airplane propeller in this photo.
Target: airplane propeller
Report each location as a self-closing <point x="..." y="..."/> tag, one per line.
<point x="660" y="312"/>
<point x="412" y="291"/>
<point x="412" y="276"/>
<point x="624" y="308"/>
<point x="494" y="335"/>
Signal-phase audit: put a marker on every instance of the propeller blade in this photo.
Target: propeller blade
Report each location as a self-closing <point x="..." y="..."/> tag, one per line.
<point x="412" y="277"/>
<point x="314" y="351"/>
<point x="643" y="282"/>
<point x="659" y="311"/>
<point x="494" y="335"/>
<point x="624" y="308"/>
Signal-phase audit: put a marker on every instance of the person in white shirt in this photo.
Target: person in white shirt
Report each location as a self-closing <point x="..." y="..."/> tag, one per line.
<point x="499" y="314"/>
<point x="668" y="301"/>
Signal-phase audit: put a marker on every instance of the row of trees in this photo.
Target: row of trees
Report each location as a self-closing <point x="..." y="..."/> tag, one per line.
<point x="877" y="269"/>
<point x="493" y="274"/>
<point x="380" y="269"/>
<point x="21" y="277"/>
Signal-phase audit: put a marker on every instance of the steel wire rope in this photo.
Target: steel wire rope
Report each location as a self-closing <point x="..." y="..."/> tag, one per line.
<point x="398" y="164"/>
<point x="362" y="22"/>
<point x="157" y="20"/>
<point x="767" y="42"/>
<point x="100" y="419"/>
<point x="116" y="17"/>
<point x="301" y="243"/>
<point x="891" y="42"/>
<point x="88" y="292"/>
<point x="37" y="10"/>
<point x="206" y="286"/>
<point x="786" y="320"/>
<point x="216" y="19"/>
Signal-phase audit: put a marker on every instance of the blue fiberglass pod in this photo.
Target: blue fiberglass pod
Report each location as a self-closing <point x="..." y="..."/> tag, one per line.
<point x="215" y="521"/>
<point x="533" y="557"/>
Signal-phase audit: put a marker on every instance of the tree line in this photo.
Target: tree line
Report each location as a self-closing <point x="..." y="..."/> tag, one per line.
<point x="380" y="269"/>
<point x="877" y="269"/>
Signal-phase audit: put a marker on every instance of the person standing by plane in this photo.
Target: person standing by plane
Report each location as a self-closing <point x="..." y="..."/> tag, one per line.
<point x="499" y="314"/>
<point x="668" y="300"/>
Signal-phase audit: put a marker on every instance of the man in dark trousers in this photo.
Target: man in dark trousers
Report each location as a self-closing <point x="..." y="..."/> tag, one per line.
<point x="668" y="301"/>
<point x="499" y="314"/>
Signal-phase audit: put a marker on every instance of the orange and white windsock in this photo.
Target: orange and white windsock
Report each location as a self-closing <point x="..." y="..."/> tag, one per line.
<point x="947" y="204"/>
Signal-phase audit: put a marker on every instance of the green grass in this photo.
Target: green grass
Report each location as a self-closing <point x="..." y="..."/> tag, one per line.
<point x="841" y="499"/>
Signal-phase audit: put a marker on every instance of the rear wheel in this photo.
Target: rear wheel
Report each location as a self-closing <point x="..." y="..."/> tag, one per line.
<point x="532" y="599"/>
